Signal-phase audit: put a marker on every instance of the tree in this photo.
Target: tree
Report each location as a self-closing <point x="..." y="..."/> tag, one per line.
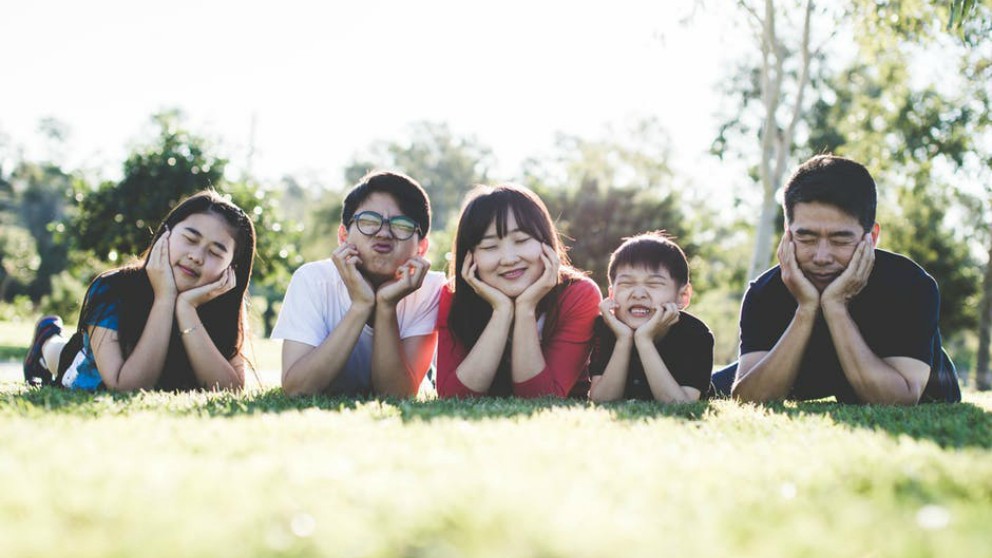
<point x="603" y="190"/>
<point x="118" y="219"/>
<point x="780" y="110"/>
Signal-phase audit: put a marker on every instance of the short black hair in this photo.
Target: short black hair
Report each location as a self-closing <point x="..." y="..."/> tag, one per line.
<point x="651" y="250"/>
<point x="837" y="181"/>
<point x="409" y="195"/>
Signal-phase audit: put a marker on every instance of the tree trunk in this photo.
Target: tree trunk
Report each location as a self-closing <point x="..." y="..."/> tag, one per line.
<point x="761" y="257"/>
<point x="983" y="376"/>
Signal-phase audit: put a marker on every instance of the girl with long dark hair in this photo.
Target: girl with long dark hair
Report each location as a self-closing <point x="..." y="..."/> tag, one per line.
<point x="516" y="319"/>
<point x="175" y="320"/>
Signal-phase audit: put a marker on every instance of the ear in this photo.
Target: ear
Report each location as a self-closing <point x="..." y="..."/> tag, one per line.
<point x="685" y="296"/>
<point x="423" y="245"/>
<point x="609" y="292"/>
<point x="876" y="232"/>
<point x="342" y="234"/>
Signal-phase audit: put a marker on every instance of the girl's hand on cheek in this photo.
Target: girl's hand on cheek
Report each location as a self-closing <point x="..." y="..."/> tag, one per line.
<point x="492" y="295"/>
<point x="159" y="268"/>
<point x="547" y="281"/>
<point x="203" y="294"/>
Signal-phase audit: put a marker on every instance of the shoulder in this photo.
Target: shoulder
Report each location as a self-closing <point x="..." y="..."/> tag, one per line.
<point x="321" y="270"/>
<point x="899" y="268"/>
<point x="581" y="288"/>
<point x="693" y="326"/>
<point x="429" y="291"/>
<point x="897" y="276"/>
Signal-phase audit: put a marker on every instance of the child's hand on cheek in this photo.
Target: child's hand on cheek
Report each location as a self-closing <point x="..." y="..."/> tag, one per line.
<point x="665" y="316"/>
<point x="608" y="308"/>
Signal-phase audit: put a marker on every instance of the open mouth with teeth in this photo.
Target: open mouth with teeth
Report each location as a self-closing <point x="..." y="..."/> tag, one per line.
<point x="640" y="311"/>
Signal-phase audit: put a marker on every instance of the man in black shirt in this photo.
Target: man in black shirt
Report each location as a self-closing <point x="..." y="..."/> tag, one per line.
<point x="838" y="317"/>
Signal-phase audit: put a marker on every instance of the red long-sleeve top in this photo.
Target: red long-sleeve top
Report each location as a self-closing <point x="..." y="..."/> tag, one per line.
<point x="565" y="350"/>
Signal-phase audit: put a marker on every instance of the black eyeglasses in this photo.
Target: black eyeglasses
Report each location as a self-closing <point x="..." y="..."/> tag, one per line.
<point x="370" y="223"/>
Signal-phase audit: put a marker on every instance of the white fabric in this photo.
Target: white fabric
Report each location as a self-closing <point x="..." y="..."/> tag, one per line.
<point x="316" y="302"/>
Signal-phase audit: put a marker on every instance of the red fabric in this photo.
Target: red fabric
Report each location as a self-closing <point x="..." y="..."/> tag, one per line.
<point x="566" y="350"/>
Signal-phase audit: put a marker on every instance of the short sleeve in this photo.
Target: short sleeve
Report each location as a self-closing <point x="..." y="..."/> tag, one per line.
<point x="420" y="312"/>
<point x="766" y="311"/>
<point x="301" y="318"/>
<point x="101" y="309"/>
<point x="694" y="360"/>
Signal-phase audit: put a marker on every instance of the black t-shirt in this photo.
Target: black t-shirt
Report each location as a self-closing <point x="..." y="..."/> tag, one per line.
<point x="896" y="313"/>
<point x="687" y="350"/>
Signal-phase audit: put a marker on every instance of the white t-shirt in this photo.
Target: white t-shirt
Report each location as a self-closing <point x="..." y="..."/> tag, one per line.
<point x="316" y="302"/>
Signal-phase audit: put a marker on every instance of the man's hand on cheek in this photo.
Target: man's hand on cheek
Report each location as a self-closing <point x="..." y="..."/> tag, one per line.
<point x="409" y="277"/>
<point x="801" y="288"/>
<point x="851" y="282"/>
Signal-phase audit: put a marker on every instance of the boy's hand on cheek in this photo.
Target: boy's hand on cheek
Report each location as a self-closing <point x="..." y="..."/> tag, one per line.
<point x="346" y="259"/>
<point x="607" y="308"/>
<point x="409" y="278"/>
<point x="665" y="316"/>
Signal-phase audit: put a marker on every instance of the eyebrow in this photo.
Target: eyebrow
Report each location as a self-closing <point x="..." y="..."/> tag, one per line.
<point x="508" y="233"/>
<point x="198" y="234"/>
<point x="834" y="234"/>
<point x="651" y="277"/>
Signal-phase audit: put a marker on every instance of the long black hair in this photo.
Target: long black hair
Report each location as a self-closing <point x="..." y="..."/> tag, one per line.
<point x="223" y="317"/>
<point x="483" y="206"/>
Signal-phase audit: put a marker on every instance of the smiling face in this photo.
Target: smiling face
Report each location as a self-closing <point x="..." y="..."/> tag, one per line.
<point x="381" y="253"/>
<point x="201" y="247"/>
<point x="825" y="238"/>
<point x="639" y="290"/>
<point x="512" y="263"/>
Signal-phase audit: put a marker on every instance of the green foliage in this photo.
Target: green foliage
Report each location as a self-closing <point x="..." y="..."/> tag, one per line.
<point x="19" y="258"/>
<point x="603" y="190"/>
<point x="154" y="473"/>
<point x="66" y="296"/>
<point x="873" y="115"/>
<point x="117" y="220"/>
<point x="594" y="221"/>
<point x="42" y="197"/>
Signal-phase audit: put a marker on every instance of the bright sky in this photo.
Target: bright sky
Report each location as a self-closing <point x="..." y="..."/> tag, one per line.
<point x="326" y="79"/>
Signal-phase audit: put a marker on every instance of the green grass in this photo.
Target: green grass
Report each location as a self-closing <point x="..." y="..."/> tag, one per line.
<point x="259" y="474"/>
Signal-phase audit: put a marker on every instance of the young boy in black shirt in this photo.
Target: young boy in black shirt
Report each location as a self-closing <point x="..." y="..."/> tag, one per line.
<point x="645" y="346"/>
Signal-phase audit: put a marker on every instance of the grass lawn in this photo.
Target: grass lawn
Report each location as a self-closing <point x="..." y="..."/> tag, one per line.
<point x="259" y="474"/>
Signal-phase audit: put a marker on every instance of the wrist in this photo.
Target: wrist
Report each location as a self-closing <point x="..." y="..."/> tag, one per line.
<point x="833" y="308"/>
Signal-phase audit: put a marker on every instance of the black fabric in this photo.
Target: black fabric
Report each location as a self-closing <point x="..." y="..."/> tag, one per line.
<point x="687" y="350"/>
<point x="897" y="314"/>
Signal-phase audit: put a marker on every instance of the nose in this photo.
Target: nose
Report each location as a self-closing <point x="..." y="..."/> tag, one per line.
<point x="822" y="255"/>
<point x="508" y="257"/>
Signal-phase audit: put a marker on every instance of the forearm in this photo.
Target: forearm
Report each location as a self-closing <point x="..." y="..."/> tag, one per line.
<point x="526" y="359"/>
<point x="773" y="376"/>
<point x="663" y="386"/>
<point x="611" y="385"/>
<point x="211" y="368"/>
<point x="392" y="375"/>
<point x="479" y="368"/>
<point x="144" y="365"/>
<point x="313" y="372"/>
<point x="873" y="380"/>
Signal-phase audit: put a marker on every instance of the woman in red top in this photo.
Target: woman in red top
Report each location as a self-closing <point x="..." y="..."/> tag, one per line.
<point x="516" y="319"/>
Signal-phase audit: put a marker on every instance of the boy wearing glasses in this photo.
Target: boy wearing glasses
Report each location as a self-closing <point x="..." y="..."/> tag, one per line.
<point x="645" y="346"/>
<point x="363" y="321"/>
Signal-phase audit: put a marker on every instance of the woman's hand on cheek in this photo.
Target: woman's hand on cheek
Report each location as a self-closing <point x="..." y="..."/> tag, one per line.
<point x="159" y="268"/>
<point x="492" y="295"/>
<point x="203" y="294"/>
<point x="547" y="281"/>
